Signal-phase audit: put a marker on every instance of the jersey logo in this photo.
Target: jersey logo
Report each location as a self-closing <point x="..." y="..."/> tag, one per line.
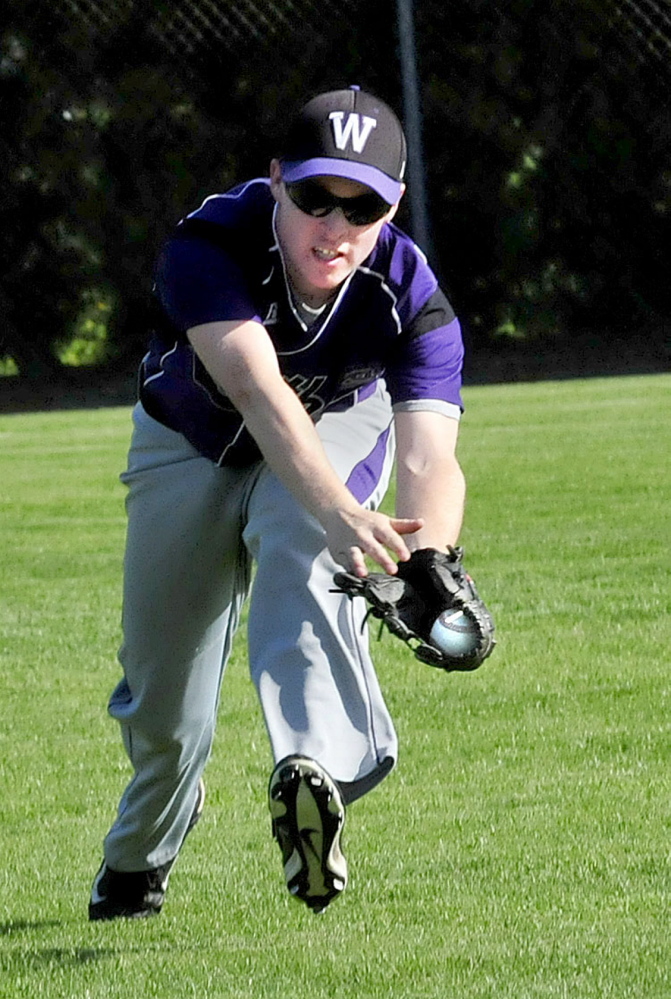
<point x="307" y="390"/>
<point x="357" y="129"/>
<point x="355" y="378"/>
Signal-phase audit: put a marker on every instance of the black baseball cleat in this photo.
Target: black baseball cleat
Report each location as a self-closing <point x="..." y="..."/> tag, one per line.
<point x="135" y="894"/>
<point x="307" y="819"/>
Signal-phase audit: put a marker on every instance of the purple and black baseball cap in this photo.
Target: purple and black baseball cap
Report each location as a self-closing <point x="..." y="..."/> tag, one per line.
<point x="350" y="134"/>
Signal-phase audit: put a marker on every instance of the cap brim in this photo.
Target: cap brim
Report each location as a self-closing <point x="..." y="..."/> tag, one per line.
<point x="390" y="190"/>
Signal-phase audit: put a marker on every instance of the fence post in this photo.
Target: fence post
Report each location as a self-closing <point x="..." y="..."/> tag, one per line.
<point x="412" y="120"/>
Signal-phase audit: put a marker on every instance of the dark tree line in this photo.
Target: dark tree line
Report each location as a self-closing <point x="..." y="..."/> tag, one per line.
<point x="546" y="141"/>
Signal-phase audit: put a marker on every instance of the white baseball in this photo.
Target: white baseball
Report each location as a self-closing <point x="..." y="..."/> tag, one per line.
<point x="454" y="633"/>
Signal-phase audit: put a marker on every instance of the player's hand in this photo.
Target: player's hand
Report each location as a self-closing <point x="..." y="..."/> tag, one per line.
<point x="351" y="535"/>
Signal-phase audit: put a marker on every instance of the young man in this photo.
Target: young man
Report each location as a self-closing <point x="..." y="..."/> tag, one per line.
<point x="300" y="341"/>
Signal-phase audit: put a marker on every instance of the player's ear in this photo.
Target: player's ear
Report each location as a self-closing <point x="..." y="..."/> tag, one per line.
<point x="275" y="178"/>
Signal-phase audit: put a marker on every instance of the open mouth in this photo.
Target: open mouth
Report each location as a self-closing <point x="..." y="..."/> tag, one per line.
<point x="324" y="254"/>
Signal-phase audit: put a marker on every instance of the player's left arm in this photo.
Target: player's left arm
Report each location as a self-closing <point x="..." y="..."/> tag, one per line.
<point x="432" y="603"/>
<point x="429" y="481"/>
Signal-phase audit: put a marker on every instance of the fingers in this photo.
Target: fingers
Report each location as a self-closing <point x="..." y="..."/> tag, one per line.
<point x="370" y="534"/>
<point x="406" y="525"/>
<point x="393" y="540"/>
<point x="386" y="538"/>
<point x="357" y="563"/>
<point x="380" y="555"/>
<point x="354" y="560"/>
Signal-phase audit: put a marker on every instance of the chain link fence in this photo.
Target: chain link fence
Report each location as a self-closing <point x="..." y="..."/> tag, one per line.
<point x="545" y="148"/>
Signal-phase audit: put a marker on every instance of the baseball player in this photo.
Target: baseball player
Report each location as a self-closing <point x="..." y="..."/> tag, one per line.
<point x="300" y="342"/>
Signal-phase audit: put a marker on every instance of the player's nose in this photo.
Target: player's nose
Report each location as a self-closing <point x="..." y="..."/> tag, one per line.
<point x="335" y="224"/>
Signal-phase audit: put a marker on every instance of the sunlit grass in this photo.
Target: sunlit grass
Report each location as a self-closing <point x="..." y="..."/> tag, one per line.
<point x="521" y="848"/>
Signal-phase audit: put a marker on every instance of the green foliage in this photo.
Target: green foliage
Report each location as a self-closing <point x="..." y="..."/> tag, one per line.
<point x="8" y="367"/>
<point x="89" y="342"/>
<point x="520" y="849"/>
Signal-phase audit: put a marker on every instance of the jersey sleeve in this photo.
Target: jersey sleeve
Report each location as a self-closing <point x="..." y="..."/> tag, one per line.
<point x="198" y="282"/>
<point x="426" y="370"/>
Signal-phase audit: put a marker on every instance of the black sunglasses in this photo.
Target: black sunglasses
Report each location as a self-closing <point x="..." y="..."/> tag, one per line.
<point x="313" y="199"/>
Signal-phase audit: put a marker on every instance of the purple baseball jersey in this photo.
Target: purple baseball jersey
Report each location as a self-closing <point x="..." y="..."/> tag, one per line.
<point x="389" y="320"/>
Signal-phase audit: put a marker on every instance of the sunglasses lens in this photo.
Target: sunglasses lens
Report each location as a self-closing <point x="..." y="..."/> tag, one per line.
<point x="312" y="199"/>
<point x="365" y="209"/>
<point x="315" y="200"/>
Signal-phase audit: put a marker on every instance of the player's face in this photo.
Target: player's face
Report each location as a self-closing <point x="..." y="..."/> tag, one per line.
<point x="321" y="250"/>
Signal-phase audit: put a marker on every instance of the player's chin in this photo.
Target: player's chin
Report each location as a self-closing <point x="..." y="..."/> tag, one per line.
<point x="330" y="273"/>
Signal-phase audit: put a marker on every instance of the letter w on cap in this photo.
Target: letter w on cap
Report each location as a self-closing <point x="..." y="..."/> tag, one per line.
<point x="357" y="128"/>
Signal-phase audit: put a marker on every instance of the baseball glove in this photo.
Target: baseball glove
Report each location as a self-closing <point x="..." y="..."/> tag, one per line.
<point x="422" y="604"/>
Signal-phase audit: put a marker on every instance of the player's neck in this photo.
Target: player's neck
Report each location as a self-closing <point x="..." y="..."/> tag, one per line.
<point x="314" y="300"/>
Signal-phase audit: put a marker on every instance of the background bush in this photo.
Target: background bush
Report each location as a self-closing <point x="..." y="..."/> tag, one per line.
<point x="546" y="130"/>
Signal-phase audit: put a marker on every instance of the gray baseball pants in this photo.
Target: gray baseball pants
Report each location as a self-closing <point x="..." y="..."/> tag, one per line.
<point x="193" y="531"/>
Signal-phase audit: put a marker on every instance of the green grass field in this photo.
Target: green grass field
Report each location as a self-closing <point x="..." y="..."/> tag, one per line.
<point x="521" y="849"/>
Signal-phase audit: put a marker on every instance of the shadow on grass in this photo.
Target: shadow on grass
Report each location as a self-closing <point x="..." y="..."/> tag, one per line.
<point x="26" y="925"/>
<point x="35" y="957"/>
<point x="18" y="962"/>
<point x="68" y="955"/>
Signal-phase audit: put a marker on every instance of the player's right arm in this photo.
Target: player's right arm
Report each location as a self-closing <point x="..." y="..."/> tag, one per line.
<point x="241" y="358"/>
